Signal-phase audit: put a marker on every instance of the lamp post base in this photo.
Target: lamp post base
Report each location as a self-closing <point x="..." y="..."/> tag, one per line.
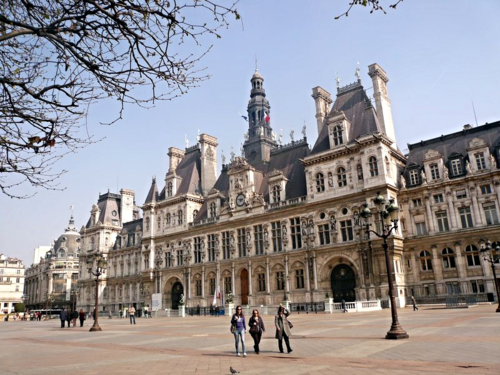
<point x="95" y="327"/>
<point x="396" y="333"/>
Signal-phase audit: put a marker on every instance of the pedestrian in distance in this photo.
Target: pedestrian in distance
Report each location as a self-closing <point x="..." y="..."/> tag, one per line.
<point x="74" y="317"/>
<point x="63" y="316"/>
<point x="238" y="320"/>
<point x="131" y="313"/>
<point x="81" y="315"/>
<point x="414" y="303"/>
<point x="344" y="309"/>
<point x="257" y="328"/>
<point x="68" y="317"/>
<point x="283" y="330"/>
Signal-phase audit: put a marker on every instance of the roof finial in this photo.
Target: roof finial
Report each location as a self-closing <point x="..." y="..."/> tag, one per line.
<point x="358" y="74"/>
<point x="186" y="141"/>
<point x="304" y="130"/>
<point x="256" y="64"/>
<point x="337" y="79"/>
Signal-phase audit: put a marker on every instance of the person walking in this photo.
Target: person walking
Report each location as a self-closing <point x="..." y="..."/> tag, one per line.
<point x="414" y="303"/>
<point x="68" y="318"/>
<point x="74" y="317"/>
<point x="131" y="313"/>
<point x="257" y="327"/>
<point x="283" y="328"/>
<point x="81" y="315"/>
<point x="63" y="316"/>
<point x="344" y="310"/>
<point x="238" y="320"/>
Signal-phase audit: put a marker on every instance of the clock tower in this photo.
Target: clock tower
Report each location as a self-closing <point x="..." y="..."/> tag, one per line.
<point x="260" y="139"/>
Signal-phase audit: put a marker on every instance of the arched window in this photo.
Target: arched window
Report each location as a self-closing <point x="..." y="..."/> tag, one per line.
<point x="169" y="189"/>
<point x="448" y="258"/>
<point x="373" y="166"/>
<point x="168" y="218"/>
<point x="320" y="183"/>
<point x="213" y="209"/>
<point x="337" y="135"/>
<point x="472" y="256"/>
<point x="180" y="217"/>
<point x="359" y="170"/>
<point x="276" y="194"/>
<point x="341" y="177"/>
<point x="425" y="261"/>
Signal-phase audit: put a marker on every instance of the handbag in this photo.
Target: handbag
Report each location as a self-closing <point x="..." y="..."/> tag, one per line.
<point x="290" y="324"/>
<point x="254" y="329"/>
<point x="233" y="328"/>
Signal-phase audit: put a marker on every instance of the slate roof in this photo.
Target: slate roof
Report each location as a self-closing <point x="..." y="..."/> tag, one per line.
<point x="108" y="203"/>
<point x="153" y="195"/>
<point x="358" y="109"/>
<point x="455" y="143"/>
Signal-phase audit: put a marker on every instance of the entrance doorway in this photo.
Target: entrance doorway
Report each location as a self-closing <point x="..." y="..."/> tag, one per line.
<point x="343" y="283"/>
<point x="177" y="290"/>
<point x="244" y="287"/>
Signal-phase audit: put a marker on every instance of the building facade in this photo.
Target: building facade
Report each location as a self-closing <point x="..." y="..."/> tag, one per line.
<point x="53" y="277"/>
<point x="283" y="221"/>
<point x="11" y="283"/>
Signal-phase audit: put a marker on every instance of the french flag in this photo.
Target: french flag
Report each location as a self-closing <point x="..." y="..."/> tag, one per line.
<point x="267" y="118"/>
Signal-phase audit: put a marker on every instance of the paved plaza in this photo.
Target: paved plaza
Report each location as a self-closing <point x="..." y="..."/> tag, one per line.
<point x="442" y="341"/>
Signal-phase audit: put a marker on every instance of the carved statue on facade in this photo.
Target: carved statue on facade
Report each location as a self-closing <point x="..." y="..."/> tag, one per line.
<point x="446" y="173"/>
<point x="423" y="177"/>
<point x="468" y="167"/>
<point x="403" y="182"/>
<point x="493" y="162"/>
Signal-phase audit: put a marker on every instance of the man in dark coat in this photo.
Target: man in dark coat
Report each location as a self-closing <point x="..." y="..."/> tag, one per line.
<point x="63" y="316"/>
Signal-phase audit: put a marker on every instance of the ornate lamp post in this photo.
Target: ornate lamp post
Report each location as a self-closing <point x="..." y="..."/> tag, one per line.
<point x="389" y="218"/>
<point x="74" y="294"/>
<point x="50" y="299"/>
<point x="158" y="264"/>
<point x="100" y="268"/>
<point x="488" y="256"/>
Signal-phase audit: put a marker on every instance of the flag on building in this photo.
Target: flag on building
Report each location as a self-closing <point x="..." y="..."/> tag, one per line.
<point x="214" y="301"/>
<point x="267" y="118"/>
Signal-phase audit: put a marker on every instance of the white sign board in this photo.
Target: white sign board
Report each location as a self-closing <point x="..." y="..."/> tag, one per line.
<point x="156" y="297"/>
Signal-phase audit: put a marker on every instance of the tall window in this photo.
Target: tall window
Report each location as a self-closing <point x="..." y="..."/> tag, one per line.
<point x="480" y="162"/>
<point x="226" y="248"/>
<point x="490" y="212"/>
<point x="359" y="170"/>
<point x="168" y="218"/>
<point x="168" y="259"/>
<point x="438" y="198"/>
<point x="180" y="217"/>
<point x="211" y="247"/>
<point x="324" y="234"/>
<point x="295" y="233"/>
<point x="456" y="167"/>
<point x="472" y="256"/>
<point x="320" y="183"/>
<point x="346" y="230"/>
<point x="434" y="171"/>
<point x="228" y="288"/>
<point x="213" y="210"/>
<point x="276" y="194"/>
<point x="337" y="135"/>
<point x="372" y="162"/>
<point x="258" y="235"/>
<point x="242" y="243"/>
<point x="341" y="177"/>
<point x="198" y="287"/>
<point x="485" y="189"/>
<point x="414" y="177"/>
<point x="421" y="229"/>
<point x="211" y="282"/>
<point x="477" y="286"/>
<point x="180" y="257"/>
<point x="169" y="189"/>
<point x="417" y="202"/>
<point x="299" y="279"/>
<point x="276" y="233"/>
<point x="465" y="217"/>
<point x="261" y="282"/>
<point x="442" y="220"/>
<point x="280" y="280"/>
<point x="425" y="261"/>
<point x="448" y="258"/>
<point x="197" y="249"/>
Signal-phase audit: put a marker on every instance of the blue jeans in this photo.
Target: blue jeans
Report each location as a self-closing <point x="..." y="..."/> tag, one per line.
<point x="132" y="317"/>
<point x="241" y="333"/>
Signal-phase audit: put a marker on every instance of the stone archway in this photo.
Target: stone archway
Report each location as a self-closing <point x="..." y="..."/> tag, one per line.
<point x="343" y="281"/>
<point x="177" y="291"/>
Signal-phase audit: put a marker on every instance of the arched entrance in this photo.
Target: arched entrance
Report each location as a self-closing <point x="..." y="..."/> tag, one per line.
<point x="343" y="283"/>
<point x="177" y="290"/>
<point x="244" y="287"/>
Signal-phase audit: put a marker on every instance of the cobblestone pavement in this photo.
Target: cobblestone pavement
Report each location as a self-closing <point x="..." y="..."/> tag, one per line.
<point x="442" y="341"/>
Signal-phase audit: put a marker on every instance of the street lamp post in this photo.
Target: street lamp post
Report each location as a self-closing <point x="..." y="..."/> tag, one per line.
<point x="50" y="299"/>
<point x="158" y="263"/>
<point x="100" y="268"/>
<point x="389" y="217"/>
<point x="74" y="293"/>
<point x="488" y="256"/>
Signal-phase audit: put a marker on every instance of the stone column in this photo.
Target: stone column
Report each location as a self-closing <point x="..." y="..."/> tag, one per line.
<point x="268" y="276"/>
<point x="461" y="270"/>
<point x="287" y="286"/>
<point x="250" y="292"/>
<point x="437" y="266"/>
<point x="315" y="273"/>
<point x="409" y="218"/>
<point x="203" y="282"/>
<point x="415" y="264"/>
<point x="233" y="281"/>
<point x="430" y="217"/>
<point x="308" y="280"/>
<point x="475" y="207"/>
<point x="188" y="282"/>
<point x="451" y="210"/>
<point x="51" y="282"/>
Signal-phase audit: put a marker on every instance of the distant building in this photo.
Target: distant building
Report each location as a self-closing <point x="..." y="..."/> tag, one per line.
<point x="11" y="283"/>
<point x="40" y="252"/>
<point x="53" y="278"/>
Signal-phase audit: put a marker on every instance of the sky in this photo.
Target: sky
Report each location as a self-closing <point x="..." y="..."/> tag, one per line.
<point x="442" y="59"/>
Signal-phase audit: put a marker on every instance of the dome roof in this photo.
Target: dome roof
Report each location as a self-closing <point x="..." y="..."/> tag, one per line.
<point x="68" y="242"/>
<point x="257" y="75"/>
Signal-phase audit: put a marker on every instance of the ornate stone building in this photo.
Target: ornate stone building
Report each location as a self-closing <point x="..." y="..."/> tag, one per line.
<point x="11" y="283"/>
<point x="284" y="220"/>
<point x="55" y="274"/>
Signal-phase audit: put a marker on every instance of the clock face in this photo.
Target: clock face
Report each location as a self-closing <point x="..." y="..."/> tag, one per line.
<point x="240" y="200"/>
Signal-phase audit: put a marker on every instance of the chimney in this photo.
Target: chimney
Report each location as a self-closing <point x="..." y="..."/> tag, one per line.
<point x="127" y="205"/>
<point x="208" y="147"/>
<point x="323" y="100"/>
<point x="467" y="127"/>
<point x="175" y="156"/>
<point x="382" y="102"/>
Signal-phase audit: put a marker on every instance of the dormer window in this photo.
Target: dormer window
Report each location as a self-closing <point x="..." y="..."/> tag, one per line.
<point x="341" y="177"/>
<point x="414" y="177"/>
<point x="434" y="171"/>
<point x="480" y="162"/>
<point x="456" y="167"/>
<point x="372" y="162"/>
<point x="276" y="194"/>
<point x="213" y="209"/>
<point x="337" y="135"/>
<point x="169" y="189"/>
<point x="320" y="183"/>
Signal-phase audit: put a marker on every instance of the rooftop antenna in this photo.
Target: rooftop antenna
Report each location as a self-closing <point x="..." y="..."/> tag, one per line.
<point x="71" y="208"/>
<point x="474" y="109"/>
<point x="256" y="64"/>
